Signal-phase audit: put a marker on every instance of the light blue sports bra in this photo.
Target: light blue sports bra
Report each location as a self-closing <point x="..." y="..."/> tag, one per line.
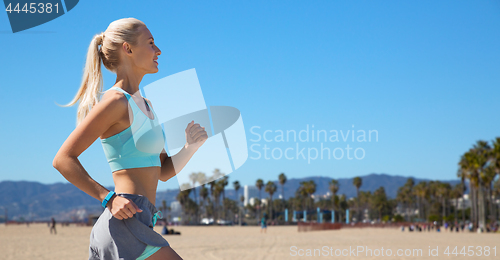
<point x="137" y="146"/>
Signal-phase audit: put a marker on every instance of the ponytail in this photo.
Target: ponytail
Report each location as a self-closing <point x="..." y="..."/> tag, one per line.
<point x="91" y="85"/>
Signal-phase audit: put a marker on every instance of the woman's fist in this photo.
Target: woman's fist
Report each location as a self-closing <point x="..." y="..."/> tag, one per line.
<point x="122" y="208"/>
<point x="195" y="135"/>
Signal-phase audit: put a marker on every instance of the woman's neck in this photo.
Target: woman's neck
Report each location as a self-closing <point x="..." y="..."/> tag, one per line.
<point x="128" y="81"/>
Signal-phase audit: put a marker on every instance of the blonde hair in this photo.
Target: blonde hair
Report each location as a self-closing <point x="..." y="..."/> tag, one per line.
<point x="111" y="40"/>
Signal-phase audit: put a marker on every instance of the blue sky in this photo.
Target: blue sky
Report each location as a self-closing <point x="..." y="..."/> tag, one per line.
<point x="423" y="74"/>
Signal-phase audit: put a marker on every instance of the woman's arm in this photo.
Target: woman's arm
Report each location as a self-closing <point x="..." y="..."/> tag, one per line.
<point x="181" y="158"/>
<point x="103" y="115"/>
<point x="195" y="137"/>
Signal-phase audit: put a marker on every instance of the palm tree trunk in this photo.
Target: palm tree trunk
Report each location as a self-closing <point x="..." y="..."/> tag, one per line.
<point x="357" y="197"/>
<point x="491" y="204"/>
<point x="283" y="192"/>
<point x="260" y="206"/>
<point x="494" y="208"/>
<point x="223" y="204"/>
<point x="463" y="208"/>
<point x="444" y="207"/>
<point x="271" y="208"/>
<point x="463" y="211"/>
<point x="418" y="206"/>
<point x="196" y="201"/>
<point x="473" y="204"/>
<point x="215" y="206"/>
<point x="423" y="209"/>
<point x="426" y="209"/>
<point x="482" y="209"/>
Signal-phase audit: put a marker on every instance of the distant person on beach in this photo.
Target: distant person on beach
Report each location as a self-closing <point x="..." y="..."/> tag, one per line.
<point x="53" y="226"/>
<point x="263" y="224"/>
<point x="133" y="142"/>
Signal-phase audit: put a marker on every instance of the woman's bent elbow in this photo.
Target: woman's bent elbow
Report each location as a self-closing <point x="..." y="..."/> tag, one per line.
<point x="55" y="162"/>
<point x="165" y="177"/>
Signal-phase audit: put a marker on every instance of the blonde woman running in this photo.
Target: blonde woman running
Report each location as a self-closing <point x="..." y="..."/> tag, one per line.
<point x="124" y="121"/>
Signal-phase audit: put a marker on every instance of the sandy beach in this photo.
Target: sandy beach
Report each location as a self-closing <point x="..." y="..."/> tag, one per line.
<point x="18" y="242"/>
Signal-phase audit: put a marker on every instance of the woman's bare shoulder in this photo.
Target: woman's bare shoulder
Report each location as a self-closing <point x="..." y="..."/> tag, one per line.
<point x="107" y="112"/>
<point x="113" y="96"/>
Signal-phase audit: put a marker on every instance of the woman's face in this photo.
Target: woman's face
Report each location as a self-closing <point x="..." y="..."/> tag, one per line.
<point x="145" y="54"/>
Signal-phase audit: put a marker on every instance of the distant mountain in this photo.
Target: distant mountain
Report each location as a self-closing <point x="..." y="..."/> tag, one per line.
<point x="64" y="201"/>
<point x="37" y="201"/>
<point x="42" y="200"/>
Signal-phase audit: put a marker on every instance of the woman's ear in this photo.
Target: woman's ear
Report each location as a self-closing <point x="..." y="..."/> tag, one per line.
<point x="127" y="48"/>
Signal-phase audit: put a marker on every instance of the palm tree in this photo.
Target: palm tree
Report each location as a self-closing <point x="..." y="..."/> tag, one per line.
<point x="357" y="182"/>
<point x="218" y="188"/>
<point x="201" y="178"/>
<point x="301" y="194"/>
<point x="488" y="177"/>
<point x="473" y="164"/>
<point x="401" y="197"/>
<point x="236" y="185"/>
<point x="421" y="192"/>
<point x="334" y="188"/>
<point x="307" y="188"/>
<point x="215" y="175"/>
<point x="282" y="180"/>
<point x="466" y="171"/>
<point x="443" y="192"/>
<point x="495" y="158"/>
<point x="204" y="196"/>
<point x="164" y="209"/>
<point x="271" y="189"/>
<point x="496" y="192"/>
<point x="223" y="182"/>
<point x="259" y="184"/>
<point x="410" y="185"/>
<point x="193" y="177"/>
<point x="213" y="184"/>
<point x="240" y="216"/>
<point x="343" y="206"/>
<point x="482" y="153"/>
<point x="495" y="154"/>
<point x="379" y="201"/>
<point x="182" y="197"/>
<point x="462" y="175"/>
<point x="457" y="194"/>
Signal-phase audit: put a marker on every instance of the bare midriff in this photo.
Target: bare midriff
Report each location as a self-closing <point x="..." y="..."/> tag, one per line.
<point x="142" y="181"/>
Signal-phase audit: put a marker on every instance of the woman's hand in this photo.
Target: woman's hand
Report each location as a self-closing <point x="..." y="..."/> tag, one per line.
<point x="195" y="135"/>
<point x="122" y="208"/>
